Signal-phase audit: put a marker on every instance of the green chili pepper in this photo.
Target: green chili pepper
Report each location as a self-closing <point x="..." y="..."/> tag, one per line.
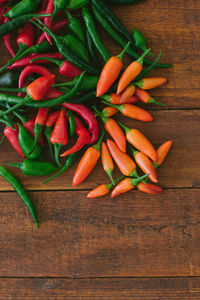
<point x="35" y="168"/>
<point x="72" y="125"/>
<point x="26" y="143"/>
<point x="88" y="83"/>
<point x="140" y="41"/>
<point x="102" y="20"/>
<point x="76" y="27"/>
<point x="75" y="4"/>
<point x="68" y="163"/>
<point x="76" y="46"/>
<point x="90" y="25"/>
<point x="20" y="190"/>
<point x="18" y="22"/>
<point x="65" y="51"/>
<point x="9" y="79"/>
<point x="9" y="99"/>
<point x="48" y="132"/>
<point x="92" y="49"/>
<point x="59" y="5"/>
<point x="22" y="8"/>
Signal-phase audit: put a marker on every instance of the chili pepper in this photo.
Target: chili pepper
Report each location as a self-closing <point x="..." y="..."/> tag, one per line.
<point x="140" y="41"/>
<point x="115" y="131"/>
<point x="9" y="177"/>
<point x="131" y="72"/>
<point x="110" y="72"/>
<point x="147" y="70"/>
<point x="68" y="163"/>
<point x="29" y="126"/>
<point x="35" y="168"/>
<point x="133" y="112"/>
<point x="109" y="111"/>
<point x="59" y="136"/>
<point x="22" y="8"/>
<point x="54" y="28"/>
<point x="83" y="138"/>
<point x="162" y="152"/>
<point x="128" y="92"/>
<point x="66" y="52"/>
<point x="72" y="124"/>
<point x="100" y="191"/>
<point x="75" y="4"/>
<point x="7" y="41"/>
<point x="88" y="83"/>
<point x="59" y="5"/>
<point x="92" y="50"/>
<point x="150" y="83"/>
<point x="48" y="129"/>
<point x="90" y="25"/>
<point x="47" y="20"/>
<point x="107" y="161"/>
<point x="145" y="164"/>
<point x="38" y="88"/>
<point x="126" y="185"/>
<point x="25" y="38"/>
<point x="89" y="118"/>
<point x="103" y="20"/>
<point x="76" y="27"/>
<point x="146" y="97"/>
<point x="116" y="99"/>
<point x="23" y="62"/>
<point x="10" y="99"/>
<point x="123" y="161"/>
<point x="65" y="68"/>
<point x="88" y="162"/>
<point x="149" y="188"/>
<point x="12" y="136"/>
<point x="32" y="69"/>
<point x="9" y="79"/>
<point x="26" y="143"/>
<point x="13" y="2"/>
<point x="76" y="46"/>
<point x="140" y="142"/>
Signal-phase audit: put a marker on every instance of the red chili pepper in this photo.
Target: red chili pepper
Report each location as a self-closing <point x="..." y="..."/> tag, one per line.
<point x="52" y="93"/>
<point x="52" y="118"/>
<point x="83" y="138"/>
<point x="25" y="38"/>
<point x="6" y="38"/>
<point x="2" y="12"/>
<point x="29" y="70"/>
<point x="12" y="136"/>
<point x="39" y="87"/>
<point x="66" y="69"/>
<point x="149" y="188"/>
<point x="145" y="97"/>
<point x="29" y="126"/>
<point x="88" y="116"/>
<point x="54" y="28"/>
<point x="59" y="136"/>
<point x="23" y="62"/>
<point x="47" y="20"/>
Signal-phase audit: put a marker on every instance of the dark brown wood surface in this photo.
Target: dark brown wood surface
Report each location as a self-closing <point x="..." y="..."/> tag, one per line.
<point x="136" y="246"/>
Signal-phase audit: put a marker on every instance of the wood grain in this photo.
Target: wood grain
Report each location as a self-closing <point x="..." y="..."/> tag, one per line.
<point x="100" y="288"/>
<point x="135" y="235"/>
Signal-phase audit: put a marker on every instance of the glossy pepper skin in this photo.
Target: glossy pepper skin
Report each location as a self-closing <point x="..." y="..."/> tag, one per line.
<point x="100" y="191"/>
<point x="140" y="41"/>
<point x="162" y="152"/>
<point x="107" y="161"/>
<point x="75" y="4"/>
<point x="9" y="177"/>
<point x="7" y="41"/>
<point x="59" y="5"/>
<point x="149" y="188"/>
<point x="110" y="73"/>
<point x="116" y="133"/>
<point x="39" y="87"/>
<point x="151" y="83"/>
<point x="26" y="36"/>
<point x="35" y="168"/>
<point x="22" y="8"/>
<point x="123" y="161"/>
<point x="145" y="97"/>
<point x="75" y="26"/>
<point x="12" y="136"/>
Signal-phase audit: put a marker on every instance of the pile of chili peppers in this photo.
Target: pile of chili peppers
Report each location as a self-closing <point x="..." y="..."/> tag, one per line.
<point x="72" y="109"/>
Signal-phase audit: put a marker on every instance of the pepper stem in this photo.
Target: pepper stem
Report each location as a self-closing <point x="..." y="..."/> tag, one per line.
<point x="147" y="70"/>
<point x="13" y="90"/>
<point x="53" y="60"/>
<point x="97" y="146"/>
<point x="152" y="100"/>
<point x="135" y="181"/>
<point x="121" y="55"/>
<point x="21" y="103"/>
<point x="109" y="172"/>
<point x="16" y="165"/>
<point x="120" y="107"/>
<point x="140" y="60"/>
<point x="104" y="120"/>
<point x="126" y="129"/>
<point x="21" y="117"/>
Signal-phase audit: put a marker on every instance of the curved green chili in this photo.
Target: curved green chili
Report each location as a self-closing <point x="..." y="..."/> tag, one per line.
<point x="72" y="125"/>
<point x="10" y="178"/>
<point x="76" y="46"/>
<point x="88" y="83"/>
<point x="91" y="48"/>
<point x="21" y="8"/>
<point x="76" y="27"/>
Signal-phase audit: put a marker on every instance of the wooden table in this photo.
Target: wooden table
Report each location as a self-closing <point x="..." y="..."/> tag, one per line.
<point x="135" y="246"/>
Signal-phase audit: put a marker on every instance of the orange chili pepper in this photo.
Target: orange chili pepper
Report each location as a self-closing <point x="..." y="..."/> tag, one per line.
<point x="107" y="161"/>
<point x="149" y="188"/>
<point x="87" y="162"/>
<point x="132" y="99"/>
<point x="39" y="87"/>
<point x="116" y="99"/>
<point x="131" y="72"/>
<point x="146" y="97"/>
<point x="133" y="112"/>
<point x="126" y="185"/>
<point x="109" y="111"/>
<point x="162" y="152"/>
<point x="145" y="164"/>
<point x="151" y="83"/>
<point x="110" y="72"/>
<point x="123" y="161"/>
<point x="100" y="191"/>
<point x="140" y="142"/>
<point x="129" y="91"/>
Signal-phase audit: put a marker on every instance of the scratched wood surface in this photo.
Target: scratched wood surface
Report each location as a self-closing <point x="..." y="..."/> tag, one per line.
<point x="136" y="246"/>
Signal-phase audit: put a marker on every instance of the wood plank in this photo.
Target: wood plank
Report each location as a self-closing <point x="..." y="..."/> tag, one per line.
<point x="116" y="288"/>
<point x="135" y="235"/>
<point x="181" y="168"/>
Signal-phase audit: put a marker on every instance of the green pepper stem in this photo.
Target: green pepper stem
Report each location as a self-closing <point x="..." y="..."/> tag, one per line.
<point x="152" y="100"/>
<point x="121" y="55"/>
<point x="135" y="181"/>
<point x="16" y="165"/>
<point x="21" y="117"/>
<point x="134" y="151"/>
<point x="109" y="172"/>
<point x="97" y="146"/>
<point x="106" y="98"/>
<point x="120" y="107"/>
<point x="147" y="70"/>
<point x="104" y="120"/>
<point x="126" y="129"/>
<point x="53" y="60"/>
<point x="13" y="90"/>
<point x="21" y="103"/>
<point x="63" y="84"/>
<point x="141" y="58"/>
